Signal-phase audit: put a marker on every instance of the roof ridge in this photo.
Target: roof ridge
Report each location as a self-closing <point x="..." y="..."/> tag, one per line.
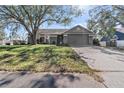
<point x="51" y="28"/>
<point x="80" y="27"/>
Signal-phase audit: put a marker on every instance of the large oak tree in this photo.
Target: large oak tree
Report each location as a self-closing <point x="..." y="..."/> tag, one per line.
<point x="32" y="17"/>
<point x="2" y="33"/>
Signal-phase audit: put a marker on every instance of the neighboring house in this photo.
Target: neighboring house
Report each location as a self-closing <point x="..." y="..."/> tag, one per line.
<point x="12" y="42"/>
<point x="6" y="42"/>
<point x="117" y="40"/>
<point x="76" y="36"/>
<point x="103" y="41"/>
<point x="119" y="34"/>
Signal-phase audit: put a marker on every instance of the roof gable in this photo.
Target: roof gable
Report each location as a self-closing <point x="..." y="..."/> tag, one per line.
<point x="78" y="29"/>
<point x="120" y="35"/>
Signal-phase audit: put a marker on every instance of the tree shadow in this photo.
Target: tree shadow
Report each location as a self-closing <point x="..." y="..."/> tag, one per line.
<point x="23" y="55"/>
<point x="35" y="50"/>
<point x="5" y="82"/>
<point x="5" y="62"/>
<point x="49" y="80"/>
<point x="9" y="48"/>
<point x="45" y="80"/>
<point x="6" y="59"/>
<point x="107" y="52"/>
<point x="4" y="56"/>
<point x="9" y="78"/>
<point x="70" y="77"/>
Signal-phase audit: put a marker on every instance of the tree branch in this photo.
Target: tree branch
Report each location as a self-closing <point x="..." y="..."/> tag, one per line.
<point x="41" y="16"/>
<point x="29" y="17"/>
<point x="55" y="20"/>
<point x="119" y="8"/>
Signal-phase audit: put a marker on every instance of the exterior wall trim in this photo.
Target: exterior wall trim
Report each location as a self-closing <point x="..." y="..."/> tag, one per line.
<point x="76" y="33"/>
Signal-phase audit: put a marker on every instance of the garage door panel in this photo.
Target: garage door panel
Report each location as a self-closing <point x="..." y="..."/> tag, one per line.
<point x="77" y="39"/>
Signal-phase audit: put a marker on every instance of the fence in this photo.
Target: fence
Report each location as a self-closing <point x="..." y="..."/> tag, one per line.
<point x="120" y="43"/>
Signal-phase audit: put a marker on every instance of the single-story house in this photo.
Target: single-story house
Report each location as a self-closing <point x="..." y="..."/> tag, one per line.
<point x="76" y="36"/>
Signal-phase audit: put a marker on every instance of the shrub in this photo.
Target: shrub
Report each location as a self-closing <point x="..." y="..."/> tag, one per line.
<point x="96" y="42"/>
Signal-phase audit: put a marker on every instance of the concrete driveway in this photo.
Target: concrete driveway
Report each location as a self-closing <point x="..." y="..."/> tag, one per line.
<point x="109" y="62"/>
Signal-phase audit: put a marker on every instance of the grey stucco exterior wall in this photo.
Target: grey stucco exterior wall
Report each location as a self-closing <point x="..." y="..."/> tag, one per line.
<point x="53" y="40"/>
<point x="90" y="40"/>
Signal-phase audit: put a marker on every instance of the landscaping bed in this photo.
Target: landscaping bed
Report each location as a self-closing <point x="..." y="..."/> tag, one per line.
<point x="41" y="58"/>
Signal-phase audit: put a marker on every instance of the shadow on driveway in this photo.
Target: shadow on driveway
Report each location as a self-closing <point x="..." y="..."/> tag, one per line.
<point x="110" y="52"/>
<point x="49" y="81"/>
<point x="44" y="81"/>
<point x="10" y="77"/>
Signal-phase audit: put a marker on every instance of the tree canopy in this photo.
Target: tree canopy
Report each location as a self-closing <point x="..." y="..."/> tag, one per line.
<point x="32" y="17"/>
<point x="103" y="19"/>
<point x="2" y="33"/>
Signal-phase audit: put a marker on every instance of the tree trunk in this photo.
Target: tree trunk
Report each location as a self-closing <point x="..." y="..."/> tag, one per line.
<point x="33" y="40"/>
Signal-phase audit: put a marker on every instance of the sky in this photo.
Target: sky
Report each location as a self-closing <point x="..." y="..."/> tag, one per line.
<point x="81" y="20"/>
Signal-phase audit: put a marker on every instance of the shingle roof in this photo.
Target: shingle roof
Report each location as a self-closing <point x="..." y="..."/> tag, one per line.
<point x="52" y="31"/>
<point x="121" y="30"/>
<point x="120" y="35"/>
<point x="81" y="29"/>
<point x="61" y="31"/>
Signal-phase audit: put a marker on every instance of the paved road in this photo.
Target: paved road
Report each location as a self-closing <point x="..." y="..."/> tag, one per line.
<point x="109" y="61"/>
<point x="46" y="80"/>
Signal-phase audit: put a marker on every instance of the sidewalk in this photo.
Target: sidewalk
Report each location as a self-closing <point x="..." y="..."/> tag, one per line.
<point x="46" y="80"/>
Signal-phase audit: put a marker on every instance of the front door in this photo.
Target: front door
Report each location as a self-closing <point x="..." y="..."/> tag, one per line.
<point x="59" y="39"/>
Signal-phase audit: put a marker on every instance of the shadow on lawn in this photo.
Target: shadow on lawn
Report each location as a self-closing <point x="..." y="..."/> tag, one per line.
<point x="6" y="59"/>
<point x="4" y="56"/>
<point x="23" y="55"/>
<point x="9" y="48"/>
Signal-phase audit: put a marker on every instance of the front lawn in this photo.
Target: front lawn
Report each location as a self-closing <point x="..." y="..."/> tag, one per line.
<point x="41" y="58"/>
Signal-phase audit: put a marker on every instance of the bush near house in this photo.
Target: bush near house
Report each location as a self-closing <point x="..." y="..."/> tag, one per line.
<point x="41" y="58"/>
<point x="96" y="42"/>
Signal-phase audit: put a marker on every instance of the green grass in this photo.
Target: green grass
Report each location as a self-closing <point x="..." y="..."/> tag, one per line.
<point x="41" y="58"/>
